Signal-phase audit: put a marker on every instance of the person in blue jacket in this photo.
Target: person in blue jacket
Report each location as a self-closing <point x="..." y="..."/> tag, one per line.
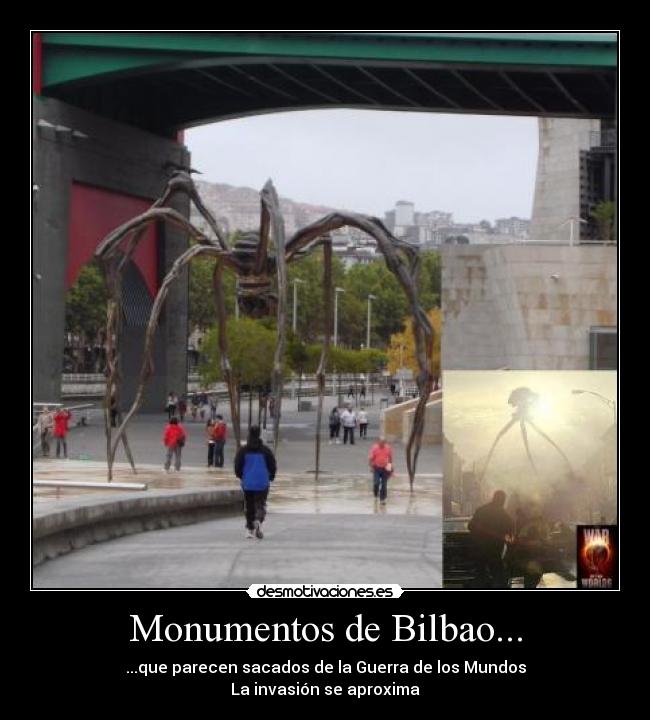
<point x="255" y="466"/>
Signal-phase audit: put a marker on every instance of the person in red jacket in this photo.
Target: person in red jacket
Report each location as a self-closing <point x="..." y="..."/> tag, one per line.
<point x="174" y="439"/>
<point x="219" y="436"/>
<point x="380" y="460"/>
<point x="61" y="420"/>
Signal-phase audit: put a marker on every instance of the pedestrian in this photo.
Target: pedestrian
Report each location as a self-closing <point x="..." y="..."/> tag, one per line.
<point x="194" y="406"/>
<point x="380" y="460"/>
<point x="61" y="420"/>
<point x="349" y="422"/>
<point x="172" y="401"/>
<point x="174" y="439"/>
<point x="363" y="423"/>
<point x="490" y="528"/>
<point x="392" y="389"/>
<point x="255" y="466"/>
<point x="182" y="408"/>
<point x="351" y="391"/>
<point x="209" y="429"/>
<point x="45" y="425"/>
<point x="335" y="425"/>
<point x="362" y="392"/>
<point x="213" y="407"/>
<point x="219" y="434"/>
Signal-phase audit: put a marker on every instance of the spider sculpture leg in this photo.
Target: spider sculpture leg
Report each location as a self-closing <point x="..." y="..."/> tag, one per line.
<point x="402" y="260"/>
<point x="271" y="212"/>
<point x="322" y="365"/>
<point x="147" y="367"/>
<point x="524" y="435"/>
<point x="226" y="369"/>
<point x="108" y="253"/>
<point x="500" y="434"/>
<point x="554" y="444"/>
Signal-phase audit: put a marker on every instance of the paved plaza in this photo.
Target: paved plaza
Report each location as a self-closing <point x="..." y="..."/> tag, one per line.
<point x="329" y="530"/>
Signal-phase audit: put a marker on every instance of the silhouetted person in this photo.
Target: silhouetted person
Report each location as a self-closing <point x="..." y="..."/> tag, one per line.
<point x="489" y="528"/>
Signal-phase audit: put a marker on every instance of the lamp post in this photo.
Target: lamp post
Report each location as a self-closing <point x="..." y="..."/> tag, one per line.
<point x="336" y="314"/>
<point x="571" y="221"/>
<point x="370" y="299"/>
<point x="237" y="298"/>
<point x="295" y="302"/>
<point x="610" y="403"/>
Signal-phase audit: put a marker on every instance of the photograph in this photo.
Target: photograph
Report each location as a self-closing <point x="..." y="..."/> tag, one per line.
<point x="529" y="459"/>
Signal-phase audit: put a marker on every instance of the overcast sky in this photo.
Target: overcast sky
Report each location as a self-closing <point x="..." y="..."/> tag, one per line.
<point x="476" y="166"/>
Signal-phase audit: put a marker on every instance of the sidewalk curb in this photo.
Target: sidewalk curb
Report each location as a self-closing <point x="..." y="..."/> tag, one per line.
<point x="92" y="520"/>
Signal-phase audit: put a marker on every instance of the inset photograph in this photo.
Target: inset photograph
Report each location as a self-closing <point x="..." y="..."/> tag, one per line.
<point x="529" y="457"/>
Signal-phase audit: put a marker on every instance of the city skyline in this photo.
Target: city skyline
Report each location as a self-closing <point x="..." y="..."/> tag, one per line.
<point x="476" y="167"/>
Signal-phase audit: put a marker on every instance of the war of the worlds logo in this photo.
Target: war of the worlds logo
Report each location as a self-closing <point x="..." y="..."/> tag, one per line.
<point x="597" y="557"/>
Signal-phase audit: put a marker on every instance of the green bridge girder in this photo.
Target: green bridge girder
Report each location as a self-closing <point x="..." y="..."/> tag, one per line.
<point x="164" y="81"/>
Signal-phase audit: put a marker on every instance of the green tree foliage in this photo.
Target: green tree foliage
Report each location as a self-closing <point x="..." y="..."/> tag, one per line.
<point x="201" y="307"/>
<point x="389" y="309"/>
<point x="430" y="279"/>
<point x="603" y="215"/>
<point x="251" y="350"/>
<point x="85" y="304"/>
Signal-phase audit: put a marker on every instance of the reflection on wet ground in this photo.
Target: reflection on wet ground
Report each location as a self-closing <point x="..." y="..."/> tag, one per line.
<point x="290" y="493"/>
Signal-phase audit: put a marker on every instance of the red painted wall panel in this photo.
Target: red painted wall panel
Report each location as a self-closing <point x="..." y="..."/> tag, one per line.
<point x="37" y="63"/>
<point x="93" y="214"/>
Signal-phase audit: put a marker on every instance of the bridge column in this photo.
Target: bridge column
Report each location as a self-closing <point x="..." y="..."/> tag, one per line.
<point x="71" y="146"/>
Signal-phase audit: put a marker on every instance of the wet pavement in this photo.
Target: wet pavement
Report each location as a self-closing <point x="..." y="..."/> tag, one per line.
<point x="297" y="548"/>
<point x="325" y="530"/>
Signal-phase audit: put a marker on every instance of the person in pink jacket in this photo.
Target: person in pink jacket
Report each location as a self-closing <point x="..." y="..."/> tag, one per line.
<point x="380" y="460"/>
<point x="174" y="440"/>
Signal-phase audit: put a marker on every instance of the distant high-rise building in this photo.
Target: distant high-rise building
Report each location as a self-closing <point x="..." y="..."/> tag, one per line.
<point x="404" y="213"/>
<point x="575" y="171"/>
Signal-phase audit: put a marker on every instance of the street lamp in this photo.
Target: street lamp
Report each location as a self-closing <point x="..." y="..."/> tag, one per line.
<point x="610" y="403"/>
<point x="336" y="314"/>
<point x="571" y="221"/>
<point x="295" y="301"/>
<point x="370" y="299"/>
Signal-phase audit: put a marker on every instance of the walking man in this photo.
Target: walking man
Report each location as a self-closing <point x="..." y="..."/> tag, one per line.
<point x="380" y="460"/>
<point x="219" y="435"/>
<point x="255" y="466"/>
<point x="349" y="422"/>
<point x="174" y="440"/>
<point x="61" y="420"/>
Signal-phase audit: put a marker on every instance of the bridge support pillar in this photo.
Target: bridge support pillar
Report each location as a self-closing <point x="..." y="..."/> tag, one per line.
<point x="72" y="147"/>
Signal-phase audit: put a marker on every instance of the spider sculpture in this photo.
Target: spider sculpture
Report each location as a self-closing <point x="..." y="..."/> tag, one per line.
<point x="256" y="266"/>
<point x="523" y="400"/>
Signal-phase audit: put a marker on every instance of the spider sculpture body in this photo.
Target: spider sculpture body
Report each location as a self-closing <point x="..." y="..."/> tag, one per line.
<point x="259" y="261"/>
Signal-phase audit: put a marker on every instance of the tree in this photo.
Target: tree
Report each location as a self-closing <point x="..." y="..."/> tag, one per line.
<point x="406" y="341"/>
<point x="251" y="350"/>
<point x="430" y="279"/>
<point x="201" y="307"/>
<point x="85" y="312"/>
<point x="388" y="308"/>
<point x="603" y="215"/>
